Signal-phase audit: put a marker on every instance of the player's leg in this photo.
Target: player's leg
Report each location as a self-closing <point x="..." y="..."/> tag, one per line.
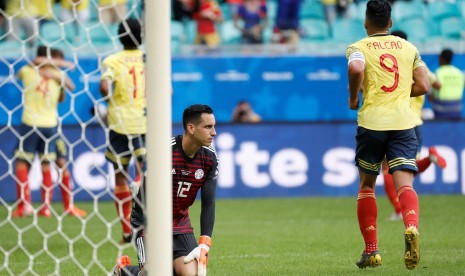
<point x="368" y="158"/>
<point x="64" y="180"/>
<point x="24" y="154"/>
<point x="118" y="153"/>
<point x="391" y="192"/>
<point x="23" y="191"/>
<point x="183" y="244"/>
<point x="138" y="144"/>
<point x="422" y="163"/>
<point x="401" y="155"/>
<point x="47" y="154"/>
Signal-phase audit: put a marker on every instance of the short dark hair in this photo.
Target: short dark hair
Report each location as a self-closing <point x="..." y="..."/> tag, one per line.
<point x="57" y="53"/>
<point x="193" y="113"/>
<point x="378" y="13"/>
<point x="447" y="55"/>
<point x="130" y="33"/>
<point x="42" y="51"/>
<point x="400" y="34"/>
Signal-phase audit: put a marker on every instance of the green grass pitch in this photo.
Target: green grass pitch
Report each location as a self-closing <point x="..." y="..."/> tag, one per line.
<point x="288" y="236"/>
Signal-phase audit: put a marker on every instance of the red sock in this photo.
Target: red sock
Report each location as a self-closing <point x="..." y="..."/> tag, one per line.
<point x="22" y="187"/>
<point x="47" y="191"/>
<point x="123" y="205"/>
<point x="423" y="164"/>
<point x="66" y="191"/>
<point x="367" y="213"/>
<point x="391" y="192"/>
<point x="410" y="207"/>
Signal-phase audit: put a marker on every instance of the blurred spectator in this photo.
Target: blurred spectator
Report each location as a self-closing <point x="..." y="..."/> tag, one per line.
<point x="112" y="11"/>
<point x="286" y="29"/>
<point x="335" y="9"/>
<point x="183" y="9"/>
<point x="233" y="6"/>
<point x="243" y="113"/>
<point x="253" y="15"/>
<point x="208" y="14"/>
<point x="22" y="24"/>
<point x="447" y="101"/>
<point x="75" y="10"/>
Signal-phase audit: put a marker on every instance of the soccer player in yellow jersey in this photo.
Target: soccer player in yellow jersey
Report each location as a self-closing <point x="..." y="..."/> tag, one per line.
<point x="42" y="91"/>
<point x="383" y="66"/>
<point x="123" y="86"/>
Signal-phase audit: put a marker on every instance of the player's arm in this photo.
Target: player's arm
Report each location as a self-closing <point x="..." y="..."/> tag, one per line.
<point x="207" y="213"/>
<point x="106" y="80"/>
<point x="40" y="61"/>
<point x="420" y="84"/>
<point x="356" y="71"/>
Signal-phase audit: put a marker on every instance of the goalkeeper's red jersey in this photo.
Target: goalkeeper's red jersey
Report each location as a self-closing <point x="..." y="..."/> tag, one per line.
<point x="189" y="176"/>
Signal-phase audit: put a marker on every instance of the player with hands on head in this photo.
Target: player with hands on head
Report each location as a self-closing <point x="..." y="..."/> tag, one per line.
<point x="194" y="168"/>
<point x="388" y="70"/>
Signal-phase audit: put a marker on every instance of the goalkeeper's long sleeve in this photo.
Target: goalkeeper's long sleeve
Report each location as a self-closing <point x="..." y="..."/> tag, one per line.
<point x="207" y="214"/>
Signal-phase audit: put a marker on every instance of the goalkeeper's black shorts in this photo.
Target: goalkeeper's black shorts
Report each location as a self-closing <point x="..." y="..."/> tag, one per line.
<point x="183" y="244"/>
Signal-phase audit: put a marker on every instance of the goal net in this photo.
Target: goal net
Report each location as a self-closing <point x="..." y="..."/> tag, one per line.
<point x="81" y="234"/>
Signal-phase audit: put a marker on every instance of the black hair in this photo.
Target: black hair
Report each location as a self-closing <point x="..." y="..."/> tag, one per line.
<point x="130" y="33"/>
<point x="57" y="53"/>
<point x="193" y="113"/>
<point x="400" y="34"/>
<point x="42" y="51"/>
<point x="378" y="13"/>
<point x="447" y="55"/>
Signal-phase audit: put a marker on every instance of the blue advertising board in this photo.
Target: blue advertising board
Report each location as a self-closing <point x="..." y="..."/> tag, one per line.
<point x="258" y="160"/>
<point x="280" y="88"/>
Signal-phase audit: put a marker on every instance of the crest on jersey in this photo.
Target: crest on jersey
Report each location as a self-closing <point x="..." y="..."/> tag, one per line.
<point x="199" y="174"/>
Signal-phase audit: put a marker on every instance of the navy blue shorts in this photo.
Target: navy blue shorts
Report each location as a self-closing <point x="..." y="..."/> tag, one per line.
<point x="398" y="146"/>
<point x="122" y="147"/>
<point x="183" y="244"/>
<point x="61" y="149"/>
<point x="40" y="140"/>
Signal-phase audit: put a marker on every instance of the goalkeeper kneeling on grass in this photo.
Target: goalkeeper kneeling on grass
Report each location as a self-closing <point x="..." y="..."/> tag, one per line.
<point x="195" y="167"/>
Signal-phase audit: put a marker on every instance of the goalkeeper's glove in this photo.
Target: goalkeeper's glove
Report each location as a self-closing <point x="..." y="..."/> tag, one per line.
<point x="200" y="253"/>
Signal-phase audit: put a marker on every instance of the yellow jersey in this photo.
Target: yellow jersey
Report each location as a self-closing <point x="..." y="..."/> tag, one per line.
<point x="80" y="4"/>
<point x="41" y="96"/>
<point x="127" y="102"/>
<point x="112" y="2"/>
<point x="389" y="65"/>
<point x="20" y="8"/>
<point x="417" y="102"/>
<point x="44" y="8"/>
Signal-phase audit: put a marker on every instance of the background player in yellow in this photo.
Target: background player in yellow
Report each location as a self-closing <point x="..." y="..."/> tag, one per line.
<point x="422" y="163"/>
<point x="42" y="91"/>
<point x="383" y="66"/>
<point x="123" y="86"/>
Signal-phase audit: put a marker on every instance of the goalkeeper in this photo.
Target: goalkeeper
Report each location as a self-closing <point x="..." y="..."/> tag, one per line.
<point x="195" y="167"/>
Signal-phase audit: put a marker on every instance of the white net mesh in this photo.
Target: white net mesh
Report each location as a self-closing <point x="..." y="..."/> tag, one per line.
<point x="82" y="233"/>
